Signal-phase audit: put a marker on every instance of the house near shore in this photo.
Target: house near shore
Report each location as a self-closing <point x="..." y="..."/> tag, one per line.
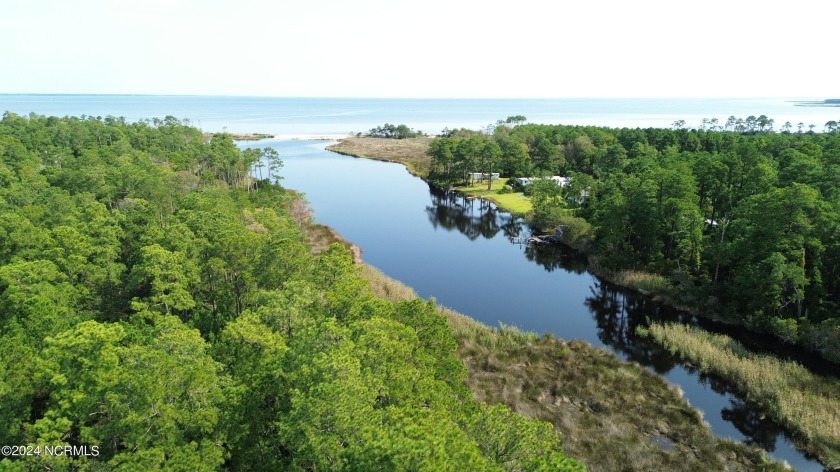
<point x="481" y="177"/>
<point x="561" y="181"/>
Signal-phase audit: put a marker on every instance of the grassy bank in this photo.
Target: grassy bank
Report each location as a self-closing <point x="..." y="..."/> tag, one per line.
<point x="514" y="202"/>
<point x="611" y="414"/>
<point x="803" y="402"/>
<point x="319" y="237"/>
<point x="652" y="285"/>
<point x="643" y="282"/>
<point x="410" y="152"/>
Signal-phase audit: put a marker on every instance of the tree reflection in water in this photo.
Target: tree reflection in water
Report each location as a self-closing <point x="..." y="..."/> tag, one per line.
<point x="753" y="424"/>
<point x="617" y="315"/>
<point x="616" y="312"/>
<point x="472" y="217"/>
<point x="553" y="257"/>
<point x="476" y="218"/>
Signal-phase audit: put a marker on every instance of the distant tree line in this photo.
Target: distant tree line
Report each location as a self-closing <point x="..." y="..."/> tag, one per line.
<point x="746" y="222"/>
<point x="753" y="125"/>
<point x="393" y="132"/>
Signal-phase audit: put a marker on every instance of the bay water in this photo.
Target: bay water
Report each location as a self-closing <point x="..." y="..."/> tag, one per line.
<point x="341" y="116"/>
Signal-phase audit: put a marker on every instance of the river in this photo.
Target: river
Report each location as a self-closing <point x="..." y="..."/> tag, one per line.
<point x="459" y="252"/>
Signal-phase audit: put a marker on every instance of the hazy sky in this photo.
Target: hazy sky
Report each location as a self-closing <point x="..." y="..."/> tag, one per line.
<point x="426" y="48"/>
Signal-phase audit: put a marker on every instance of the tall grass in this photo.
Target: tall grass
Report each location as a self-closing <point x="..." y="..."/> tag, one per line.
<point x="385" y="287"/>
<point x="465" y="328"/>
<point x="411" y="152"/>
<point x="805" y="403"/>
<point x="644" y="282"/>
<point x="612" y="415"/>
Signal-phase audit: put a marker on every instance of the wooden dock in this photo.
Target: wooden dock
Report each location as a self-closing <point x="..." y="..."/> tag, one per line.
<point x="549" y="239"/>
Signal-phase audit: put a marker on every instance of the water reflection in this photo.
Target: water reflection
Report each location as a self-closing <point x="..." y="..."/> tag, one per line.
<point x="753" y="424"/>
<point x="553" y="257"/>
<point x="617" y="313"/>
<point x="544" y="291"/>
<point x="476" y="218"/>
<point x="472" y="217"/>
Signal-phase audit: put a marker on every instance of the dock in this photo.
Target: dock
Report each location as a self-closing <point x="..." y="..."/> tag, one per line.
<point x="549" y="239"/>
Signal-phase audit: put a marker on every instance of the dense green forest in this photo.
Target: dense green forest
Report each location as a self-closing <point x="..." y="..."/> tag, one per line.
<point x="743" y="220"/>
<point x="160" y="306"/>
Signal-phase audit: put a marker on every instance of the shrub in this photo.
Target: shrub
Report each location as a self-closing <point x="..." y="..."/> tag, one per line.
<point x="823" y="337"/>
<point x="575" y="232"/>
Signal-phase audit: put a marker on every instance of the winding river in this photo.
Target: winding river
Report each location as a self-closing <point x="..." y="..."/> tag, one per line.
<point x="459" y="251"/>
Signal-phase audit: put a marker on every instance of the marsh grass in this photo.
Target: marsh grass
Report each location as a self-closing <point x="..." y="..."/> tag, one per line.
<point x="410" y="152"/>
<point x="319" y="237"/>
<point x="385" y="287"/>
<point x="611" y="414"/>
<point x="644" y="282"/>
<point x="805" y="403"/>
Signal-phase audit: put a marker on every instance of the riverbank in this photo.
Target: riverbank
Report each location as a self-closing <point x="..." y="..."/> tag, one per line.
<point x="664" y="290"/>
<point x="317" y="236"/>
<point x="807" y="404"/>
<point x="611" y="414"/>
<point x="820" y="339"/>
<point x="515" y="203"/>
<point x="411" y="152"/>
<point x="654" y="286"/>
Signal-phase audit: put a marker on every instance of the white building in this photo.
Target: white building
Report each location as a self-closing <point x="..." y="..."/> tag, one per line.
<point x="561" y="181"/>
<point x="479" y="177"/>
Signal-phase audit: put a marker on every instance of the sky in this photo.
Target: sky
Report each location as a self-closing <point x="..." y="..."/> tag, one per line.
<point x="424" y="49"/>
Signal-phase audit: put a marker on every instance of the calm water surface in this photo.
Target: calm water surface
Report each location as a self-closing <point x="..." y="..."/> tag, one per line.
<point x="279" y="115"/>
<point x="459" y="252"/>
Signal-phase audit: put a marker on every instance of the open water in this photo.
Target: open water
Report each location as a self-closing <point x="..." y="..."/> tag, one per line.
<point x="340" y="116"/>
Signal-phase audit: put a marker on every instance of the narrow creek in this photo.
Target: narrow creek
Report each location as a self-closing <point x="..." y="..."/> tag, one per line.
<point x="459" y="251"/>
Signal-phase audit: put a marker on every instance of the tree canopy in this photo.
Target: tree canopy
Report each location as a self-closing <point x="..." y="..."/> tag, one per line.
<point x="159" y="302"/>
<point x="393" y="132"/>
<point x="744" y="218"/>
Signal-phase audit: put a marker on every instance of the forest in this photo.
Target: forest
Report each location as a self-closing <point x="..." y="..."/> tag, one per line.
<point x="743" y="221"/>
<point x="160" y="309"/>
